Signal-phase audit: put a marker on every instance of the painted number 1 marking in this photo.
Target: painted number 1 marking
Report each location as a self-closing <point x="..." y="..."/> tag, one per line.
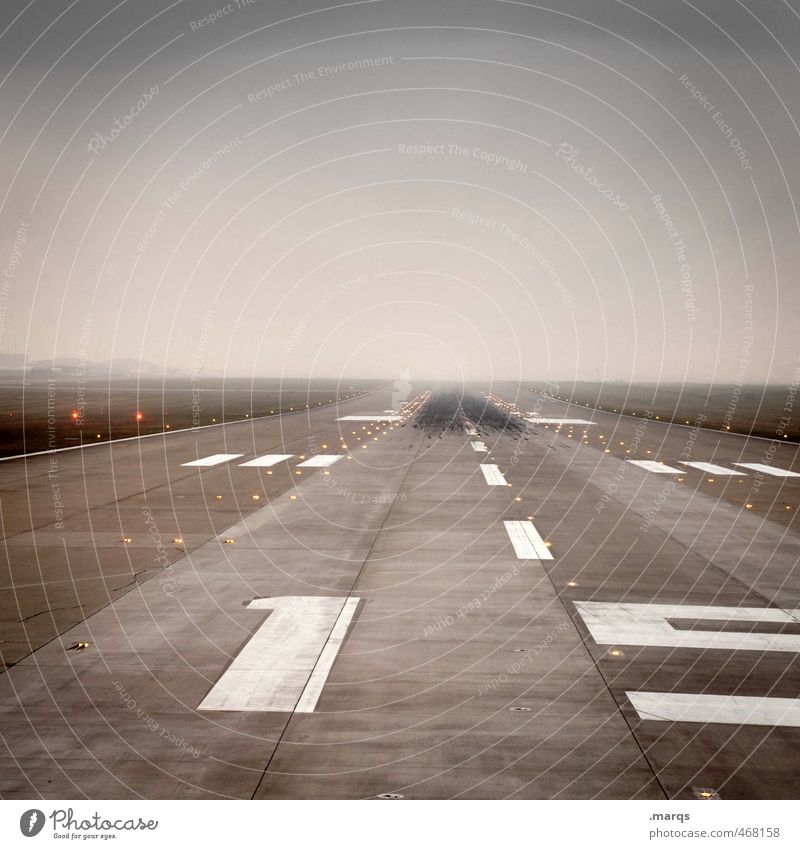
<point x="285" y="664"/>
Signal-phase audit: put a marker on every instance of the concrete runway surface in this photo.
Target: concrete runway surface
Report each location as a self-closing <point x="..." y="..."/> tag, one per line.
<point x="394" y="621"/>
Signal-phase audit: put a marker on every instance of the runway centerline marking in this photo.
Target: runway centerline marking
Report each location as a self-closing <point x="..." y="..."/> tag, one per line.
<point x="285" y="663"/>
<point x="322" y="460"/>
<point x="479" y="446"/>
<point x="730" y="710"/>
<point x="768" y="470"/>
<point x="267" y="460"/>
<point x="624" y="623"/>
<point x="712" y="468"/>
<point x="493" y="475"/>
<point x="527" y="543"/>
<point x="653" y="466"/>
<point x="213" y="460"/>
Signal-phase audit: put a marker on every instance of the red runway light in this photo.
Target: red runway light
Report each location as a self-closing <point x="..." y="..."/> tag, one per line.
<point x="139" y="416"/>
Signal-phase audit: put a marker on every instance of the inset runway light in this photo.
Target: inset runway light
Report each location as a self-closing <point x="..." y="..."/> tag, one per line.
<point x="572" y="583"/>
<point x="520" y="709"/>
<point x="615" y="653"/>
<point x="229" y="541"/>
<point x="255" y="497"/>
<point x="705" y="793"/>
<point x="292" y="498"/>
<point x="178" y="540"/>
<point x="127" y="539"/>
<point x="218" y="497"/>
<point x="749" y="506"/>
<point x="80" y="645"/>
<point x="391" y="796"/>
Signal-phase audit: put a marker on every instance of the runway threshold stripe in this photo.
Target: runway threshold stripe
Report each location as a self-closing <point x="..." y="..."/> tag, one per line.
<point x="712" y="468"/>
<point x="493" y="475"/>
<point x="536" y="420"/>
<point x="213" y="460"/>
<point x="527" y="543"/>
<point x="370" y="418"/>
<point x="313" y="690"/>
<point x="322" y="460"/>
<point x="267" y="460"/>
<point x="653" y="466"/>
<point x="278" y="663"/>
<point x="729" y="710"/>
<point x="768" y="470"/>
<point x="479" y="446"/>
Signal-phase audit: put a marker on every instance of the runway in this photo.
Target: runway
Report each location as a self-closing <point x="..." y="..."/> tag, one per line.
<point x="336" y="604"/>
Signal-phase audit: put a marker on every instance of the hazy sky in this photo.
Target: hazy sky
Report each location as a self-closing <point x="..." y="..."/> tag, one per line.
<point x="460" y="189"/>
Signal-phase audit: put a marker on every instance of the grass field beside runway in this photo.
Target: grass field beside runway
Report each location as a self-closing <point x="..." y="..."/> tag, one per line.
<point x="40" y="414"/>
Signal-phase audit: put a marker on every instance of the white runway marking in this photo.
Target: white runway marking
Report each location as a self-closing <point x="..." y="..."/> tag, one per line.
<point x="213" y="460"/>
<point x="527" y="543"/>
<point x="653" y="466"/>
<point x="731" y="710"/>
<point x="267" y="460"/>
<point x="712" y="468"/>
<point x="536" y="420"/>
<point x="285" y="664"/>
<point x="493" y="475"/>
<point x="768" y="470"/>
<point x="623" y="623"/>
<point x="375" y="418"/>
<point x="313" y="690"/>
<point x="470" y="431"/>
<point x="479" y="446"/>
<point x="322" y="460"/>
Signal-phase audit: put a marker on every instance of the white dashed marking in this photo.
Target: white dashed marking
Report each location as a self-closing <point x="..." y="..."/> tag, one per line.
<point x="268" y="460"/>
<point x="322" y="460"/>
<point x="653" y="466"/>
<point x="711" y="468"/>
<point x="493" y="475"/>
<point x="213" y="460"/>
<point x="527" y="543"/>
<point x="768" y="470"/>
